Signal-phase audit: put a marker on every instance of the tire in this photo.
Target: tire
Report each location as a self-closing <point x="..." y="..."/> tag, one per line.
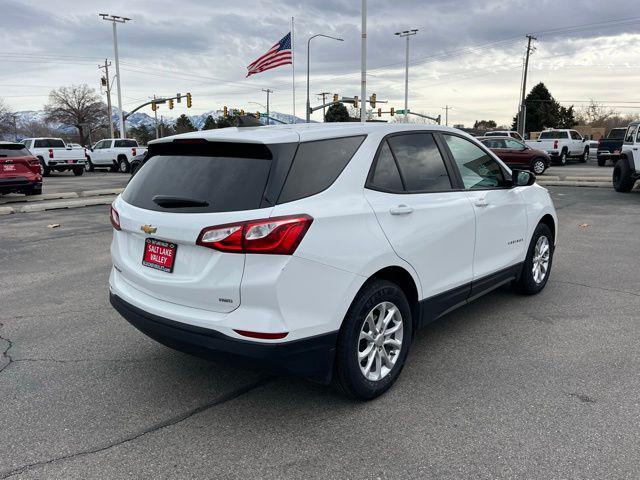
<point x="538" y="166"/>
<point x="563" y="158"/>
<point x="34" y="191"/>
<point x="602" y="161"/>
<point x="88" y="165"/>
<point x="585" y="156"/>
<point x="622" y="179"/>
<point x="370" y="303"/>
<point x="123" y="165"/>
<point x="531" y="283"/>
<point x="46" y="171"/>
<point x="78" y="171"/>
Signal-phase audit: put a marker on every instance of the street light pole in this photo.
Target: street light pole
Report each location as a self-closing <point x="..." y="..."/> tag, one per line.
<point x="117" y="19"/>
<point x="308" y="116"/>
<point x="267" y="91"/>
<point x="406" y="34"/>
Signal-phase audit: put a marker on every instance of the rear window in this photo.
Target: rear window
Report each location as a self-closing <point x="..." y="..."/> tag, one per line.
<point x="317" y="165"/>
<point x="125" y="143"/>
<point x="552" y="135"/>
<point x="15" y="150"/>
<point x="617" y="133"/>
<point x="222" y="176"/>
<point x="49" y="143"/>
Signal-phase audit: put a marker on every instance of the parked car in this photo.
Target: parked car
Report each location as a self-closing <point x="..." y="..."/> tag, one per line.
<point x="517" y="154"/>
<point x="562" y="145"/>
<point x="318" y="250"/>
<point x="609" y="148"/>
<point x="55" y="155"/>
<point x="19" y="170"/>
<point x="504" y="133"/>
<point x="627" y="169"/>
<point x="114" y="153"/>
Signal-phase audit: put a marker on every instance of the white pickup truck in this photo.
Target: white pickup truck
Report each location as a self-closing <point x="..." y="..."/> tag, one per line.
<point x="562" y="145"/>
<point x="113" y="153"/>
<point x="55" y="155"/>
<point x="627" y="169"/>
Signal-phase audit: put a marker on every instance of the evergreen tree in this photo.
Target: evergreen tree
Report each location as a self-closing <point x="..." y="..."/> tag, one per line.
<point x="143" y="134"/>
<point x="209" y="123"/>
<point x="337" y="113"/>
<point x="184" y="125"/>
<point x="485" y="124"/>
<point x="543" y="111"/>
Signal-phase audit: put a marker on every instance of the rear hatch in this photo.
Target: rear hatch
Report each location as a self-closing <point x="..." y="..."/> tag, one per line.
<point x="180" y="190"/>
<point x="17" y="161"/>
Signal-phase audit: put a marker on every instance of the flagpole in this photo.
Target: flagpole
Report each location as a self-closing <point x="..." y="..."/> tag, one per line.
<point x="293" y="69"/>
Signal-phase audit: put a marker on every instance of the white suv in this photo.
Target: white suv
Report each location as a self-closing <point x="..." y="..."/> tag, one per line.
<point x="318" y="250"/>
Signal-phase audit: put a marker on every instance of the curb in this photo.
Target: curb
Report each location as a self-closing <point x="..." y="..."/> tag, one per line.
<point x="69" y="204"/>
<point x="40" y="198"/>
<point x="565" y="183"/>
<point x="6" y="211"/>
<point x="97" y="193"/>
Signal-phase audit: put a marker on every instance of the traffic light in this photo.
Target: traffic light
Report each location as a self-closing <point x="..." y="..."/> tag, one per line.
<point x="170" y="104"/>
<point x="379" y="112"/>
<point x="188" y="100"/>
<point x="154" y="107"/>
<point x="335" y="98"/>
<point x="178" y="97"/>
<point x="355" y="102"/>
<point x="372" y="100"/>
<point x="392" y="111"/>
<point x="225" y="111"/>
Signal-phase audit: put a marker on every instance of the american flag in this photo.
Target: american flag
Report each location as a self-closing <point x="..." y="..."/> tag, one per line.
<point x="278" y="55"/>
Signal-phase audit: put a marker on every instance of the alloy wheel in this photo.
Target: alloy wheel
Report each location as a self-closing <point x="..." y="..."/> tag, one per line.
<point x="538" y="167"/>
<point x="541" y="257"/>
<point x="380" y="341"/>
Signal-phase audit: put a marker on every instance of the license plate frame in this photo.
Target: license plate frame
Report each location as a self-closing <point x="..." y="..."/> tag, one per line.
<point x="162" y="258"/>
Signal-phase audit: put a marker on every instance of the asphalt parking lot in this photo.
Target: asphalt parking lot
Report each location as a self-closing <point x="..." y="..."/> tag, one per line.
<point x="508" y="387"/>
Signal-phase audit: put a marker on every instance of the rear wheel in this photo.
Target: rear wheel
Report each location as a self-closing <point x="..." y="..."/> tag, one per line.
<point x="602" y="161"/>
<point x="563" y="158"/>
<point x="34" y="191"/>
<point x="585" y="156"/>
<point x="374" y="341"/>
<point x="77" y="171"/>
<point x="622" y="179"/>
<point x="123" y="165"/>
<point x="46" y="171"/>
<point x="538" y="166"/>
<point x="537" y="264"/>
<point x="88" y="166"/>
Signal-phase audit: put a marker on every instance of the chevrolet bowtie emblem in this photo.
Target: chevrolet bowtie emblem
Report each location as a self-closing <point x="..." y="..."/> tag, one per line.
<point x="148" y="229"/>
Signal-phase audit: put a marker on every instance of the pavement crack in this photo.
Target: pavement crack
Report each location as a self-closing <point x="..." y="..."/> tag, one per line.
<point x="5" y="353"/>
<point x="598" y="288"/>
<point x="151" y="429"/>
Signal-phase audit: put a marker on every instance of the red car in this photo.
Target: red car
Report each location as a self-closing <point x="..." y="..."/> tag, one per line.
<point x="19" y="170"/>
<point x="518" y="155"/>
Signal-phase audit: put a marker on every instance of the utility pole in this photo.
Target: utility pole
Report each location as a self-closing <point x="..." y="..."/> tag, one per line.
<point x="108" y="87"/>
<point x="324" y="108"/>
<point x="363" y="64"/>
<point x="530" y="38"/>
<point x="115" y="19"/>
<point x="406" y="34"/>
<point x="267" y="91"/>
<point x="161" y="126"/>
<point x="446" y="115"/>
<point x="155" y="114"/>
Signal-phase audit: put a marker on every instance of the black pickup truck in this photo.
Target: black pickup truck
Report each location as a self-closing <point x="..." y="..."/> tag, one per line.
<point x="609" y="148"/>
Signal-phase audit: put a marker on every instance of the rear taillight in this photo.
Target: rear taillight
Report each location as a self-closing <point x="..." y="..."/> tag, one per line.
<point x="115" y="218"/>
<point x="555" y="144"/>
<point x="34" y="164"/>
<point x="51" y="153"/>
<point x="133" y="152"/>
<point x="277" y="235"/>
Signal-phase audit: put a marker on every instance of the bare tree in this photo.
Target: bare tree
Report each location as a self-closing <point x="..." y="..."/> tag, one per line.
<point x="595" y="114"/>
<point x="6" y="118"/>
<point x="78" y="106"/>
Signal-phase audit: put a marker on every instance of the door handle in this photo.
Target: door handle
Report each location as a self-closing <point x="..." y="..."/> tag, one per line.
<point x="481" y="202"/>
<point x="635" y="148"/>
<point x="401" y="210"/>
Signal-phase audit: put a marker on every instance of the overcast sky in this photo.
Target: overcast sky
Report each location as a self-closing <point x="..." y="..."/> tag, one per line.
<point x="467" y="54"/>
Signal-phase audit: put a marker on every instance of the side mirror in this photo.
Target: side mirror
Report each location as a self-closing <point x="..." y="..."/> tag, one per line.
<point x="69" y="147"/>
<point x="584" y="140"/>
<point x="522" y="178"/>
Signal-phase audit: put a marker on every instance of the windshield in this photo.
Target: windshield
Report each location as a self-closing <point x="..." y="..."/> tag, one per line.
<point x="617" y="133"/>
<point x="553" y="134"/>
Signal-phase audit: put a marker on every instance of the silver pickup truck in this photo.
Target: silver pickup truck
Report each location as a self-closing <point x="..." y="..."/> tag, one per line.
<point x="55" y="155"/>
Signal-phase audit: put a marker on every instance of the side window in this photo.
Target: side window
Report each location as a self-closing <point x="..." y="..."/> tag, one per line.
<point x="514" y="145"/>
<point x="575" y="135"/>
<point x="478" y="169"/>
<point x="631" y="133"/>
<point x="516" y="135"/>
<point x="99" y="145"/>
<point x="420" y="162"/>
<point x="638" y="137"/>
<point x="385" y="174"/>
<point x="317" y="165"/>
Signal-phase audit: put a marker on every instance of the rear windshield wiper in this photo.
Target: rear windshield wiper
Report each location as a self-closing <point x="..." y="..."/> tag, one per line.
<point x="169" y="201"/>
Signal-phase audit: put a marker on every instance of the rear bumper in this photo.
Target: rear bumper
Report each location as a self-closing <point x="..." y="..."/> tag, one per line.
<point x="310" y="357"/>
<point x="8" y="185"/>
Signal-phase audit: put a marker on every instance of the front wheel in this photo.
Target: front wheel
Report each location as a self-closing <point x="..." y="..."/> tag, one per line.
<point x="622" y="179"/>
<point x="585" y="156"/>
<point x="374" y="340"/>
<point x="88" y="166"/>
<point x="538" y="166"/>
<point x="537" y="264"/>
